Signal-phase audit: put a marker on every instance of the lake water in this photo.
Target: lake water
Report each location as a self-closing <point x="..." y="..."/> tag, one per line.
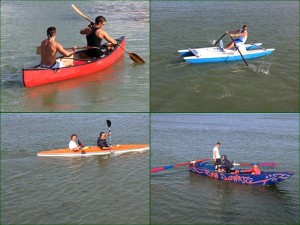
<point x="181" y="197"/>
<point x="123" y="87"/>
<point x="84" y="190"/>
<point x="272" y="85"/>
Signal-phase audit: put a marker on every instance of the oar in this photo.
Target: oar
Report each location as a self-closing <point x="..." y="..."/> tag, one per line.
<point x="239" y="51"/>
<point x="270" y="164"/>
<point x="220" y="39"/>
<point x="157" y="169"/>
<point x="133" y="56"/>
<point x="109" y="124"/>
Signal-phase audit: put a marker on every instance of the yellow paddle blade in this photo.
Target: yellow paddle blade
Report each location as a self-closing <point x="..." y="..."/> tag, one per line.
<point x="80" y="13"/>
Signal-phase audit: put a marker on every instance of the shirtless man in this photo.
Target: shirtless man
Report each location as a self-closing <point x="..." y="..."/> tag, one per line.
<point x="94" y="35"/>
<point x="242" y="35"/>
<point x="49" y="48"/>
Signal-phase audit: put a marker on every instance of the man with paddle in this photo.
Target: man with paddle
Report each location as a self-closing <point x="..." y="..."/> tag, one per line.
<point x="94" y="35"/>
<point x="72" y="144"/>
<point x="49" y="48"/>
<point x="242" y="35"/>
<point x="101" y="142"/>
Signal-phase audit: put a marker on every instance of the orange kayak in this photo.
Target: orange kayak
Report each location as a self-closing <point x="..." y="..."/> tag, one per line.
<point x="95" y="150"/>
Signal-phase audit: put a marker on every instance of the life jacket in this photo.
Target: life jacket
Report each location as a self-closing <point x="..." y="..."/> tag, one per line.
<point x="256" y="170"/>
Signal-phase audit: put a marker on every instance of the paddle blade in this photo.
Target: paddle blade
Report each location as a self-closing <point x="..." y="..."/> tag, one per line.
<point x="136" y="58"/>
<point x="80" y="13"/>
<point x="108" y="123"/>
<point x="157" y="169"/>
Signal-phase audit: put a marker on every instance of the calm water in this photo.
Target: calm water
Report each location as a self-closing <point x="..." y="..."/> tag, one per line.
<point x="181" y="197"/>
<point x="87" y="190"/>
<point x="271" y="86"/>
<point x="121" y="88"/>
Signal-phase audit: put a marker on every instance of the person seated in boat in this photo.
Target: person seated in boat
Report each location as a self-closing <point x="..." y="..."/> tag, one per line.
<point x="242" y="35"/>
<point x="227" y="166"/>
<point x="254" y="170"/>
<point x="94" y="35"/>
<point x="49" y="48"/>
<point x="72" y="144"/>
<point x="216" y="156"/>
<point x="101" y="142"/>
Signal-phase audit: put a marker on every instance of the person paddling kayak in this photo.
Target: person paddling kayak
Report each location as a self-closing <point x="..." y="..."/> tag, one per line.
<point x="94" y="35"/>
<point x="242" y="35"/>
<point x="101" y="142"/>
<point x="49" y="48"/>
<point x="72" y="144"/>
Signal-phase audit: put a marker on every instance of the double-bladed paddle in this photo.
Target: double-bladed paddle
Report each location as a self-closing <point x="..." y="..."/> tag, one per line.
<point x="133" y="56"/>
<point x="108" y="122"/>
<point x="158" y="169"/>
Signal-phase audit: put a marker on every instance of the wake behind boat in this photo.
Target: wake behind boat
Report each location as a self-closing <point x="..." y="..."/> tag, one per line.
<point x="216" y="54"/>
<point x="265" y="178"/>
<point x="95" y="150"/>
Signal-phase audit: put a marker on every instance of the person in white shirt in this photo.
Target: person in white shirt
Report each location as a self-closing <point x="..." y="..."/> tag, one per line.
<point x="72" y="144"/>
<point x="216" y="156"/>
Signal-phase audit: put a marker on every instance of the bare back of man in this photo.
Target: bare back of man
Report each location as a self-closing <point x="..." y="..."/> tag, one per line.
<point x="49" y="48"/>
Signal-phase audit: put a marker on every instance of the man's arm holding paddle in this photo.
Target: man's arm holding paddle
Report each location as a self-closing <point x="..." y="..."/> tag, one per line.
<point x="64" y="52"/>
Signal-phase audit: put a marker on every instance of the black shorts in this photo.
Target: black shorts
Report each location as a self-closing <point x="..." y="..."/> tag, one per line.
<point x="95" y="52"/>
<point x="218" y="162"/>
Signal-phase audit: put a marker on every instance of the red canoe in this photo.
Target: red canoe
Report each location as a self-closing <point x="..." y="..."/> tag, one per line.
<point x="38" y="76"/>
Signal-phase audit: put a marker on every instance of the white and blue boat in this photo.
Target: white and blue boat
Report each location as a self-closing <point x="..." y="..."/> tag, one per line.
<point x="216" y="54"/>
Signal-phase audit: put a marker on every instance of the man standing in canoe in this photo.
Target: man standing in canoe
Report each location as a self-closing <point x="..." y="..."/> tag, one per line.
<point x="94" y="35"/>
<point x="49" y="48"/>
<point x="216" y="156"/>
<point x="242" y="35"/>
<point x="72" y="144"/>
<point x="101" y="142"/>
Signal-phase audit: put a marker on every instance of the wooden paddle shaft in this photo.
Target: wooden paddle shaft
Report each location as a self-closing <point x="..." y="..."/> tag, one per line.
<point x="39" y="49"/>
<point x="80" y="13"/>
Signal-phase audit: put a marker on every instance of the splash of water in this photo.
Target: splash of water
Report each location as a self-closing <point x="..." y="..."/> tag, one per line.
<point x="262" y="67"/>
<point x="212" y="42"/>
